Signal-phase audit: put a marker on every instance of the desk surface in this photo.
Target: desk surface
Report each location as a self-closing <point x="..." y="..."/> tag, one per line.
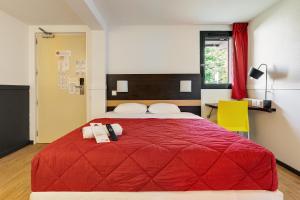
<point x="215" y="105"/>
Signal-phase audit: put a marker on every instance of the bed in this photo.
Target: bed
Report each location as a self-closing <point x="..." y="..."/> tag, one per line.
<point x="159" y="156"/>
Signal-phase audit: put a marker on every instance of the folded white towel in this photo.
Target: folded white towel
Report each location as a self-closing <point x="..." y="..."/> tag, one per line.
<point x="88" y="131"/>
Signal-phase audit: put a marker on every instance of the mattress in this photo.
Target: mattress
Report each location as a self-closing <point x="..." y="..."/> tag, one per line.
<point x="155" y="154"/>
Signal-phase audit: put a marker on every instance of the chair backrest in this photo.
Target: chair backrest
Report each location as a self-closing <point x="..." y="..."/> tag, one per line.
<point x="233" y="115"/>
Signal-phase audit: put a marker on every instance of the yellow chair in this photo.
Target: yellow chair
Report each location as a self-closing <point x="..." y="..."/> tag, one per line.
<point x="233" y="116"/>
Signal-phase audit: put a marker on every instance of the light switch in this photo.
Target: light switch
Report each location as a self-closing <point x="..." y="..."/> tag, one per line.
<point x="113" y="93"/>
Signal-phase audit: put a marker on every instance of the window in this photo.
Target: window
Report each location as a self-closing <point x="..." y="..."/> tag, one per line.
<point x="215" y="59"/>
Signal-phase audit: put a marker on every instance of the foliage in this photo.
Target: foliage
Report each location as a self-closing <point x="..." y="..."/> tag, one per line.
<point x="216" y="65"/>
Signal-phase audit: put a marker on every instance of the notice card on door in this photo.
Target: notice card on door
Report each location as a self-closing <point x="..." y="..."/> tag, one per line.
<point x="63" y="64"/>
<point x="63" y="53"/>
<point x="80" y="67"/>
<point x="63" y="82"/>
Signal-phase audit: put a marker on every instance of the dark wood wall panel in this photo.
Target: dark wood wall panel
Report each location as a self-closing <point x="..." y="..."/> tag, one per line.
<point x="192" y="109"/>
<point x="154" y="86"/>
<point x="14" y="118"/>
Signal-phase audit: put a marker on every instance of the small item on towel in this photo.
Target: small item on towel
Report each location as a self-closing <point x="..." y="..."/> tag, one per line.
<point x="87" y="132"/>
<point x="95" y="124"/>
<point x="117" y="129"/>
<point x="111" y="131"/>
<point x="100" y="134"/>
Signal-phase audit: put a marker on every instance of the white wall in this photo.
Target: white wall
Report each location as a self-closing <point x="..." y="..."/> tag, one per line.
<point x="274" y="39"/>
<point x="161" y="50"/>
<point x="156" y="49"/>
<point x="13" y="51"/>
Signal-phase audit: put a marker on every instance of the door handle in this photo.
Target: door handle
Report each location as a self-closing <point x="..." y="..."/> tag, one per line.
<point x="81" y="86"/>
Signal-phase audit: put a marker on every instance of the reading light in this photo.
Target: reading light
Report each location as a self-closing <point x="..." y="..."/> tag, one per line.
<point x="256" y="73"/>
<point x="186" y="86"/>
<point x="122" y="86"/>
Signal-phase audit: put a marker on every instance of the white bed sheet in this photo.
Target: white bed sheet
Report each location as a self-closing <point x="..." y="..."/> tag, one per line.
<point x="182" y="115"/>
<point x="190" y="195"/>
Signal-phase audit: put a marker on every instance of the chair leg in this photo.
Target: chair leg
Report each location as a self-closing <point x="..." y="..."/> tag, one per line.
<point x="248" y="135"/>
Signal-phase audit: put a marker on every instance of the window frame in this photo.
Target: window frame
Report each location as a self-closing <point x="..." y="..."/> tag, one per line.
<point x="203" y="35"/>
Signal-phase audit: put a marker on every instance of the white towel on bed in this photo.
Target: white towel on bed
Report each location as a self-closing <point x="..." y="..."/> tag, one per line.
<point x="88" y="132"/>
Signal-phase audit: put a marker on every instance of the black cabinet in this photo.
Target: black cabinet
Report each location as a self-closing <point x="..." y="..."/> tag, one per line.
<point x="14" y="118"/>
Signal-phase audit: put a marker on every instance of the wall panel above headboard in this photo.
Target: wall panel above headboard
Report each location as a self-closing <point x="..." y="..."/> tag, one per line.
<point x="152" y="88"/>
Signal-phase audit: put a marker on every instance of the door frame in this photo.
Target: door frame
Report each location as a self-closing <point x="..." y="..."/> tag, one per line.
<point x="33" y="30"/>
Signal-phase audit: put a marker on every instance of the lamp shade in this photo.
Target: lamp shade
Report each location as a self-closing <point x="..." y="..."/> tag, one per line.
<point x="255" y="73"/>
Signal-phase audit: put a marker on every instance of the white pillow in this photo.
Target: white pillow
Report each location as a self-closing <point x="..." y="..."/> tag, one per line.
<point x="132" y="108"/>
<point x="163" y="108"/>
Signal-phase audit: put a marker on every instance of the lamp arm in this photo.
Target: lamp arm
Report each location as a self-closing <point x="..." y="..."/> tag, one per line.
<point x="266" y="89"/>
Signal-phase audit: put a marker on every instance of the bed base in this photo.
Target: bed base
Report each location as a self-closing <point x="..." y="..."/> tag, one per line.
<point x="190" y="195"/>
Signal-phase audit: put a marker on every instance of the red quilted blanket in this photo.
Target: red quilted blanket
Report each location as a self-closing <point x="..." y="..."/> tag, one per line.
<point x="155" y="155"/>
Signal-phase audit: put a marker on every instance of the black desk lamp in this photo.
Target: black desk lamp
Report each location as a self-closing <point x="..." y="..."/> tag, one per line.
<point x="256" y="73"/>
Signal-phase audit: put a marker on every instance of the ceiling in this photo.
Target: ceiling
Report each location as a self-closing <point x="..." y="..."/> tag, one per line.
<point x="172" y="12"/>
<point x="134" y="12"/>
<point x="41" y="12"/>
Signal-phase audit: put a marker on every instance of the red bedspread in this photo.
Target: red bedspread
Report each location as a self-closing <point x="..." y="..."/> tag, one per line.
<point x="155" y="155"/>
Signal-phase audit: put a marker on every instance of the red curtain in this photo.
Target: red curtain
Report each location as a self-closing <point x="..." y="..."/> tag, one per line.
<point x="240" y="60"/>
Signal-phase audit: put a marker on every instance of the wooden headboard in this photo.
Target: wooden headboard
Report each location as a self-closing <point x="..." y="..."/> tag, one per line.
<point x="154" y="88"/>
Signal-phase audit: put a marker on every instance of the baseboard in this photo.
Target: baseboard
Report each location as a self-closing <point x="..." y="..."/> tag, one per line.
<point x="286" y="166"/>
<point x="14" y="149"/>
